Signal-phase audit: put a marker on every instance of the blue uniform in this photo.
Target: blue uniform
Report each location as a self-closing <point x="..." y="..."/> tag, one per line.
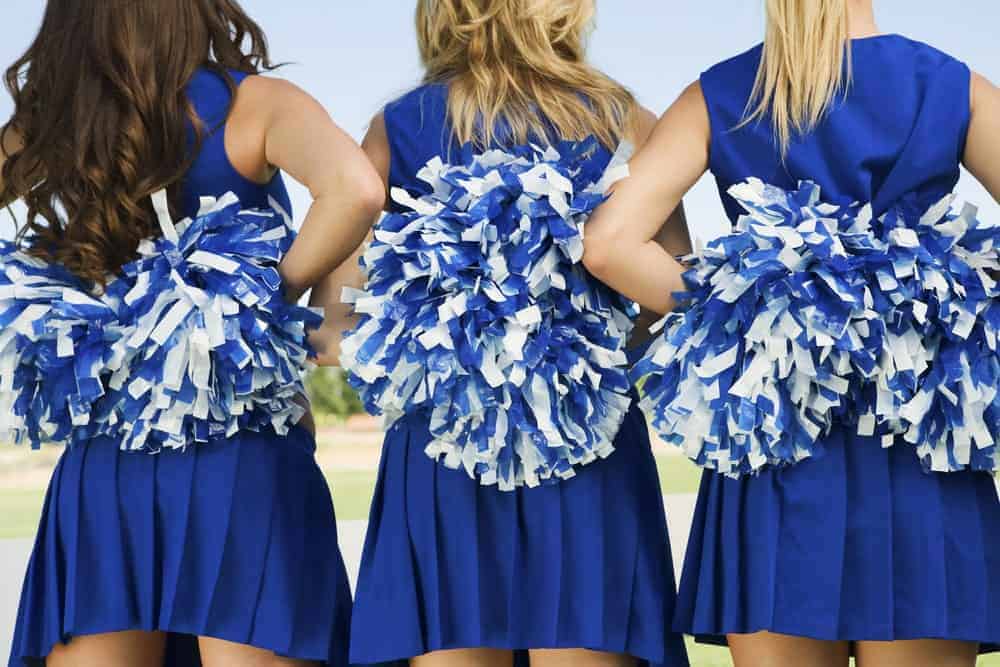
<point x="857" y="542"/>
<point x="233" y="538"/>
<point x="452" y="563"/>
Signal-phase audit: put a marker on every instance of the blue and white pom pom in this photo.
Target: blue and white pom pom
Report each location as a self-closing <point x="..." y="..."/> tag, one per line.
<point x="812" y="313"/>
<point x="213" y="347"/>
<point x="940" y="374"/>
<point x="191" y="341"/>
<point x="55" y="350"/>
<point x="778" y="324"/>
<point x="478" y="312"/>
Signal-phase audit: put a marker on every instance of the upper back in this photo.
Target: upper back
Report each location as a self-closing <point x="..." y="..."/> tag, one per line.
<point x="212" y="174"/>
<point x="899" y="133"/>
<point x="418" y="129"/>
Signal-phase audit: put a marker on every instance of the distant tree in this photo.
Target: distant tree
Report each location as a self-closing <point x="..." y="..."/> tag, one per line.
<point x="331" y="394"/>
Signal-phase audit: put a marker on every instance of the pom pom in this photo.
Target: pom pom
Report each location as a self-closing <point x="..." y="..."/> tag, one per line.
<point x="938" y="380"/>
<point x="213" y="347"/>
<point x="191" y="341"/>
<point x="812" y="312"/>
<point x="55" y="350"/>
<point x="778" y="321"/>
<point x="478" y="312"/>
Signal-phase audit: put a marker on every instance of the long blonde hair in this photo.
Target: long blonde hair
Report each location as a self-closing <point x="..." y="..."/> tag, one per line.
<point x="517" y="70"/>
<point x="805" y="66"/>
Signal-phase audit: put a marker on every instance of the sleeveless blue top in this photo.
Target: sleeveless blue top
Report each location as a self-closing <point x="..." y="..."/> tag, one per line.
<point x="418" y="129"/>
<point x="898" y="134"/>
<point x="483" y="302"/>
<point x="812" y="311"/>
<point x="212" y="174"/>
<point x="196" y="322"/>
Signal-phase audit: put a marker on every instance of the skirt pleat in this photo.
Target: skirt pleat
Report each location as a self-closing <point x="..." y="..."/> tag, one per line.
<point x="451" y="564"/>
<point x="857" y="545"/>
<point x="234" y="540"/>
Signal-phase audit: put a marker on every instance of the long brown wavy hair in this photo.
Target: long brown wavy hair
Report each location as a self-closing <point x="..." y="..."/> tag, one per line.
<point x="102" y="120"/>
<point x="520" y="66"/>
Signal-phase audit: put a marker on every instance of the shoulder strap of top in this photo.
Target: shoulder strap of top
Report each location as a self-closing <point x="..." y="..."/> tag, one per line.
<point x="937" y="141"/>
<point x="416" y="125"/>
<point x="211" y="97"/>
<point x="726" y="88"/>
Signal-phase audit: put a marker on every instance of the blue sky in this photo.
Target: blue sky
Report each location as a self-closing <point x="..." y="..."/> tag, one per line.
<point x="355" y="56"/>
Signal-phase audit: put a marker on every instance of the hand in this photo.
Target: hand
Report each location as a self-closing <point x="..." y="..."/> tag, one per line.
<point x="308" y="421"/>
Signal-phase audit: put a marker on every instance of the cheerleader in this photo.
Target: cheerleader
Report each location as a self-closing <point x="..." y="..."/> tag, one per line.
<point x="149" y="324"/>
<point x="518" y="508"/>
<point x="833" y="364"/>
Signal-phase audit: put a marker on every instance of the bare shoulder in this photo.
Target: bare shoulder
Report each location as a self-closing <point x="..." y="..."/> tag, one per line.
<point x="642" y="125"/>
<point x="377" y="134"/>
<point x="689" y="108"/>
<point x="376" y="147"/>
<point x="688" y="114"/>
<point x="376" y="142"/>
<point x="984" y="93"/>
<point x="269" y="94"/>
<point x="693" y="98"/>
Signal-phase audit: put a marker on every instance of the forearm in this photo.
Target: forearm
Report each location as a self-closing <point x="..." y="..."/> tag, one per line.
<point x="646" y="273"/>
<point x="339" y="317"/>
<point x="347" y="192"/>
<point x="326" y="340"/>
<point x="626" y="242"/>
<point x="332" y="231"/>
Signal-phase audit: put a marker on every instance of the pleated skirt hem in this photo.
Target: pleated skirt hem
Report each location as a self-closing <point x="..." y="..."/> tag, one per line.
<point x="719" y="638"/>
<point x="234" y="540"/>
<point x="451" y="564"/>
<point x="521" y="653"/>
<point x="857" y="545"/>
<point x="177" y="636"/>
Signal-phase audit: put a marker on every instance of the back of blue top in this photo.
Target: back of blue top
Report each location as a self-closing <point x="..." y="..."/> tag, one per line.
<point x="212" y="174"/>
<point x="898" y="134"/>
<point x="418" y="129"/>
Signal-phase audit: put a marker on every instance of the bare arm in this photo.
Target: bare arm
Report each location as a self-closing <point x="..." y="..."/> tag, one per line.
<point x="621" y="246"/>
<point x="674" y="236"/>
<point x="300" y="138"/>
<point x="338" y="317"/>
<point x="982" y="150"/>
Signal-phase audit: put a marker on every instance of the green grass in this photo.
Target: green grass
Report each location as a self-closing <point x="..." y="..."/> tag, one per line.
<point x="352" y="493"/>
<point x="678" y="474"/>
<point x="708" y="656"/>
<point x="20" y="510"/>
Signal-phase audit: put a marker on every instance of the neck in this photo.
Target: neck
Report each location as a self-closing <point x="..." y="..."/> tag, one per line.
<point x="861" y="19"/>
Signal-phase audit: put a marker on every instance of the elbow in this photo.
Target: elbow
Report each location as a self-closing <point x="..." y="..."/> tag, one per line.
<point x="325" y="351"/>
<point x="327" y="354"/>
<point x="597" y="256"/>
<point x="369" y="193"/>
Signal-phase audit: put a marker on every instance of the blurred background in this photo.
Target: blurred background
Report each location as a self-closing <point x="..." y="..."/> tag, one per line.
<point x="356" y="56"/>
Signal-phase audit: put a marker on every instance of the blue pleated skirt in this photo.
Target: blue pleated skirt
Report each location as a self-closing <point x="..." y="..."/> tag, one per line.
<point x="451" y="564"/>
<point x="234" y="540"/>
<point x="859" y="545"/>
